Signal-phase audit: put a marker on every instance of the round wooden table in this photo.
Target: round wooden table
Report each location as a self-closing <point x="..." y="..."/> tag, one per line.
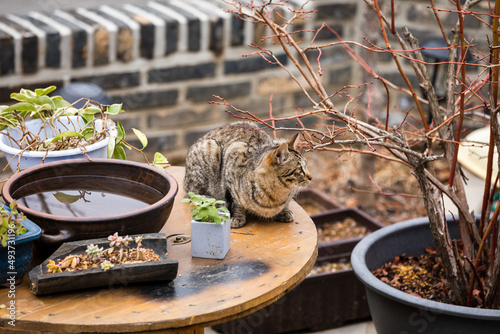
<point x="266" y="260"/>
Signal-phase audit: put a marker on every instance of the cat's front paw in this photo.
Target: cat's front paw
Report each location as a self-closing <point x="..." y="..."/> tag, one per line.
<point x="285" y="216"/>
<point x="237" y="222"/>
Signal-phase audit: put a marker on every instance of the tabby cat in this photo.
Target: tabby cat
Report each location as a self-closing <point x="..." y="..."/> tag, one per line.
<point x="242" y="165"/>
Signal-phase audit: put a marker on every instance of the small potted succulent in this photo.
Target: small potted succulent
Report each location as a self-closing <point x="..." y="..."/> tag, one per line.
<point x="210" y="227"/>
<point x="16" y="249"/>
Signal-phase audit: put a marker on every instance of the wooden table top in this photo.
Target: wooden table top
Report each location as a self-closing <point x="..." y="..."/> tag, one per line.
<point x="266" y="260"/>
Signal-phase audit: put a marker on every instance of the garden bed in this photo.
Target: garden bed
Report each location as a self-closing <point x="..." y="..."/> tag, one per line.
<point x="395" y="192"/>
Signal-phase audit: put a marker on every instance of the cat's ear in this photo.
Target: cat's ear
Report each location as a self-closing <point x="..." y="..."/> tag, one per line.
<point x="280" y="154"/>
<point x="293" y="143"/>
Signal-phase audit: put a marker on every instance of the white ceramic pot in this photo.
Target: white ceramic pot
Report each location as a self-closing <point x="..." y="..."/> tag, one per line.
<point x="28" y="159"/>
<point x="209" y="240"/>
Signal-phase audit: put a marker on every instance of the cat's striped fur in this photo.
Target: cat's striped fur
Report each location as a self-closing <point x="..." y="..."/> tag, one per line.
<point x="242" y="165"/>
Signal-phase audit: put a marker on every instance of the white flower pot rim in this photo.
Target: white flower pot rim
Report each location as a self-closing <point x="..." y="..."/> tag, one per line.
<point x="74" y="151"/>
<point x="370" y="281"/>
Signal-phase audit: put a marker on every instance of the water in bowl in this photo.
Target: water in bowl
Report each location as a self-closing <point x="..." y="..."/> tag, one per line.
<point x="94" y="197"/>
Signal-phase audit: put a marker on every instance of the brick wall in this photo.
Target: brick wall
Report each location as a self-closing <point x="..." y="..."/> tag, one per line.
<point x="165" y="59"/>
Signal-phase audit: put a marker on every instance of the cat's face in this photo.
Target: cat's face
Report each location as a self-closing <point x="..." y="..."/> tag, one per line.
<point x="289" y="166"/>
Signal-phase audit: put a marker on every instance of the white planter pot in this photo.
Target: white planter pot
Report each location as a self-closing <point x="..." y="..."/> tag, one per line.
<point x="33" y="158"/>
<point x="209" y="240"/>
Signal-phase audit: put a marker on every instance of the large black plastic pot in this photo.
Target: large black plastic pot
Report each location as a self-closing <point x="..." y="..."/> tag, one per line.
<point x="394" y="311"/>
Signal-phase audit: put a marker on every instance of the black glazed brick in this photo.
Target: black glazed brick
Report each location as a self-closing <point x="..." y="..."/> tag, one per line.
<point x="171" y="28"/>
<point x="147" y="40"/>
<point x="251" y="64"/>
<point x="176" y="118"/>
<point x="29" y="54"/>
<point x="181" y="73"/>
<point x="217" y="36"/>
<point x="194" y="27"/>
<point x="337" y="12"/>
<point x="52" y="41"/>
<point x="147" y="99"/>
<point x="237" y="31"/>
<point x="326" y="34"/>
<point x="124" y="38"/>
<point x="79" y="53"/>
<point x="205" y="93"/>
<point x="341" y="76"/>
<point x="101" y="38"/>
<point x="113" y="81"/>
<point x="147" y="33"/>
<point x="161" y="144"/>
<point x="6" y="53"/>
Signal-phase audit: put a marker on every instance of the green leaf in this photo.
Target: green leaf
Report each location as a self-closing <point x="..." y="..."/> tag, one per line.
<point x="88" y="133"/>
<point x="69" y="133"/>
<point x="27" y="92"/>
<point x="160" y="159"/>
<point x="46" y="143"/>
<point x="142" y="138"/>
<point x="119" y="153"/>
<point x="92" y="110"/>
<point x="19" y="97"/>
<point x="120" y="130"/>
<point x="111" y="146"/>
<point x="21" y="106"/>
<point x="46" y="107"/>
<point x="115" y="109"/>
<point x="87" y="118"/>
<point x="44" y="91"/>
<point x="60" y="103"/>
<point x="59" y="137"/>
<point x="45" y="101"/>
<point x="66" y="198"/>
<point x="71" y="111"/>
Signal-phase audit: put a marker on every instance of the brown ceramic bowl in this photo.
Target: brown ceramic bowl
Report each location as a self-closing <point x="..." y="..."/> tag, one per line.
<point x="125" y="197"/>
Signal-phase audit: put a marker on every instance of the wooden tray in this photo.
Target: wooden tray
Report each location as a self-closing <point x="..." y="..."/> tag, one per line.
<point x="124" y="274"/>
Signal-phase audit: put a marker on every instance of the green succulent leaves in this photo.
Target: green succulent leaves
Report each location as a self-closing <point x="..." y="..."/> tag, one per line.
<point x="11" y="223"/>
<point x="206" y="209"/>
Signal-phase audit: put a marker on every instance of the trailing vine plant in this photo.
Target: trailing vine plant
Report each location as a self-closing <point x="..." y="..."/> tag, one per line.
<point x="38" y="104"/>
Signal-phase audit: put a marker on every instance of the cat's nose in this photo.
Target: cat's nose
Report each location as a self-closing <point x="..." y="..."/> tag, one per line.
<point x="309" y="176"/>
